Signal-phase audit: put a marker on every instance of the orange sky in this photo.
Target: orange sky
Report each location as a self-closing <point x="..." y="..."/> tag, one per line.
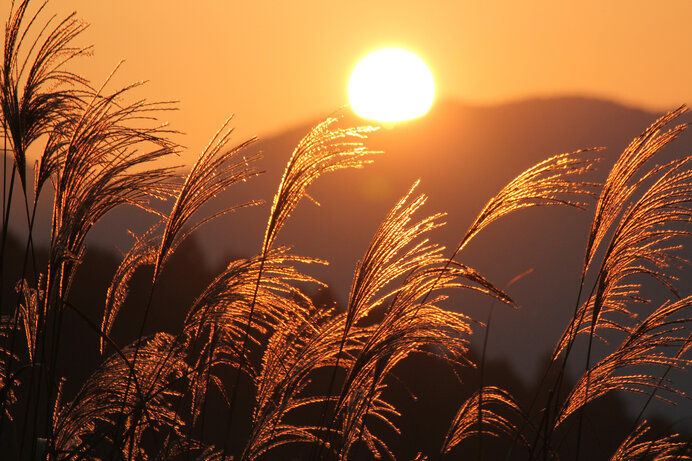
<point x="275" y="64"/>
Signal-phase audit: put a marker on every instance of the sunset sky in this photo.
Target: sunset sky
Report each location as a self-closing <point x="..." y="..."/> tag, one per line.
<point x="276" y="64"/>
<point x="317" y="314"/>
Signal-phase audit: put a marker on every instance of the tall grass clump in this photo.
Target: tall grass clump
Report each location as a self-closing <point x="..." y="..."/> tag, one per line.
<point x="317" y="380"/>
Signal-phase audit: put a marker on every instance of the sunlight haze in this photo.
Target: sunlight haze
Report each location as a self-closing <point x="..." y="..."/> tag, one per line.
<point x="259" y="231"/>
<point x="222" y="57"/>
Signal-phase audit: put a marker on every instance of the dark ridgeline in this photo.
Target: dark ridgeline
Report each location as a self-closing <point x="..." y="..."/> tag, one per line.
<point x="242" y="354"/>
<point x="463" y="154"/>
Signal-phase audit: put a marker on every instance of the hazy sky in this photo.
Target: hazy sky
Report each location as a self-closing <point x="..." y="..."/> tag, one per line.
<point x="275" y="64"/>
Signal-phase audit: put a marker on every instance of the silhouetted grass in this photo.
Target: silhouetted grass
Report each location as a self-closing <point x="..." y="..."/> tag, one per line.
<point x="319" y="376"/>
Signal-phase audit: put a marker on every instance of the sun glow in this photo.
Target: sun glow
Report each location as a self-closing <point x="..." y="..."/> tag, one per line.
<point x="391" y="85"/>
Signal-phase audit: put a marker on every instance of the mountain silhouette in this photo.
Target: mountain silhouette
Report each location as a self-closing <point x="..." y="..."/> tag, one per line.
<point x="463" y="155"/>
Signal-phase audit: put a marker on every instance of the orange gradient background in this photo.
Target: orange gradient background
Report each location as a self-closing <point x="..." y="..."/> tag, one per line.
<point x="276" y="64"/>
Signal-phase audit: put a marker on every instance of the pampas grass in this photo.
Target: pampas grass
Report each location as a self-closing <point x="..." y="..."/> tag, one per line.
<point x="320" y="376"/>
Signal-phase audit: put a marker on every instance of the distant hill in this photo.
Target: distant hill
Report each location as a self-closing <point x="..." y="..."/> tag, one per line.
<point x="463" y="155"/>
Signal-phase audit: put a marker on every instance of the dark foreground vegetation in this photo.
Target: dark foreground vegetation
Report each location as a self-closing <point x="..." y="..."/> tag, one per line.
<point x="261" y="363"/>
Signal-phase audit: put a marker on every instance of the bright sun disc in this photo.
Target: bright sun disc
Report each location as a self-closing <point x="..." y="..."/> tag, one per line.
<point x="391" y="85"/>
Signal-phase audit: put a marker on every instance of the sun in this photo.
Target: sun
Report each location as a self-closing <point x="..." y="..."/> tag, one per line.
<point x="391" y="85"/>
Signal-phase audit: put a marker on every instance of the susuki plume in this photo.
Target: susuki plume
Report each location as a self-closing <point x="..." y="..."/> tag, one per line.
<point x="640" y="246"/>
<point x="142" y="252"/>
<point x="217" y="168"/>
<point x="491" y="421"/>
<point x="222" y="303"/>
<point x="36" y="89"/>
<point x="411" y="321"/>
<point x="546" y="183"/>
<point x="103" y="168"/>
<point x="148" y="400"/>
<point x="617" y="188"/>
<point x="668" y="448"/>
<point x="322" y="150"/>
<point x="641" y="348"/>
<point x="385" y="260"/>
<point x="159" y="370"/>
<point x="641" y="239"/>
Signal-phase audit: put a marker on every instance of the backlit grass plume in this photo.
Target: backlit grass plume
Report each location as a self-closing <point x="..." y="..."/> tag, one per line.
<point x="411" y="321"/>
<point x="217" y="168"/>
<point x="143" y="252"/>
<point x="547" y="183"/>
<point x="37" y="89"/>
<point x="643" y="244"/>
<point x="640" y="350"/>
<point x="159" y="372"/>
<point x="326" y="148"/>
<point x="618" y="189"/>
<point x="661" y="449"/>
<point x="260" y="368"/>
<point x="476" y="417"/>
<point x="102" y="168"/>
